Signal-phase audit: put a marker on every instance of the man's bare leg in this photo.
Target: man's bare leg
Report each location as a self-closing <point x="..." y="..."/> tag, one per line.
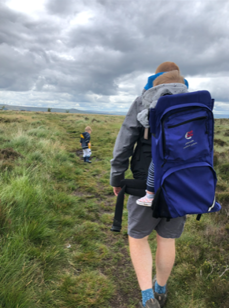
<point x="165" y="257"/>
<point x="141" y="257"/>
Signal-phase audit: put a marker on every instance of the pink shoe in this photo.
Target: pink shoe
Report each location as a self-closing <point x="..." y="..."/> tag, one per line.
<point x="144" y="201"/>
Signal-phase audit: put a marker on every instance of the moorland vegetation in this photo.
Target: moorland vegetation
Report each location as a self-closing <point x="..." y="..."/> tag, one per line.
<point x="56" y="211"/>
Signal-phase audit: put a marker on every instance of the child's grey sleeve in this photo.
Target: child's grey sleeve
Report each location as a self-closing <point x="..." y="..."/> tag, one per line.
<point x="124" y="145"/>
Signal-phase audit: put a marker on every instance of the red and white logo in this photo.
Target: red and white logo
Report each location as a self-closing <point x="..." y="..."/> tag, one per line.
<point x="189" y="134"/>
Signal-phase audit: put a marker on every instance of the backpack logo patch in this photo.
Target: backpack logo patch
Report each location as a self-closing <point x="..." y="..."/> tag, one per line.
<point x="189" y="134"/>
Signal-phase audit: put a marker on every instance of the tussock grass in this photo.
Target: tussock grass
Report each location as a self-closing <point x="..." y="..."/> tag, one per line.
<point x="56" y="212"/>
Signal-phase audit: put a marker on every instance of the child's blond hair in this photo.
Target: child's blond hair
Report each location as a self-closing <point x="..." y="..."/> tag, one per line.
<point x="88" y="128"/>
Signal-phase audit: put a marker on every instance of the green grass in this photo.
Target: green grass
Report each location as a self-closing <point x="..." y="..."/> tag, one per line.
<point x="56" y="212"/>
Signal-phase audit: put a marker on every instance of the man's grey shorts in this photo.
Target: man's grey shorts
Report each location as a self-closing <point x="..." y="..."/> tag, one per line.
<point x="141" y="223"/>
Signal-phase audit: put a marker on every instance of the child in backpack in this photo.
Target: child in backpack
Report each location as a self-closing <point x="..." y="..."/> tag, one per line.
<point x="166" y="81"/>
<point x="85" y="144"/>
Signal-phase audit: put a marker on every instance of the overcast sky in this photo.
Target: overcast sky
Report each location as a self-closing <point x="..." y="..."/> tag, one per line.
<point x="97" y="54"/>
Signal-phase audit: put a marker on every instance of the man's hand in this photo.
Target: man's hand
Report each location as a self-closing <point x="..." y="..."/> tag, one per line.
<point x="117" y="190"/>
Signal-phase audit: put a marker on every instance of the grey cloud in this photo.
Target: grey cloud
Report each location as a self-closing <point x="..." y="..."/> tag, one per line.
<point x="18" y="70"/>
<point x="189" y="37"/>
<point x="10" y="26"/>
<point x="219" y="89"/>
<point x="60" y="7"/>
<point x="121" y="38"/>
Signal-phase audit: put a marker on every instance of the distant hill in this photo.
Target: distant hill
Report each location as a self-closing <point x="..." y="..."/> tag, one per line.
<point x="71" y="110"/>
<point x="221" y="116"/>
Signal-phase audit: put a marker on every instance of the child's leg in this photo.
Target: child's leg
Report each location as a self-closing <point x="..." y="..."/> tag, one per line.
<point x="150" y="179"/>
<point x="84" y="152"/>
<point x="84" y="155"/>
<point x="148" y="198"/>
<point x="88" y="153"/>
<point x="149" y="192"/>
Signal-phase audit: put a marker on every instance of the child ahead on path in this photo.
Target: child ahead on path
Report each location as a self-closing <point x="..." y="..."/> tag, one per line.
<point x="166" y="81"/>
<point x="85" y="144"/>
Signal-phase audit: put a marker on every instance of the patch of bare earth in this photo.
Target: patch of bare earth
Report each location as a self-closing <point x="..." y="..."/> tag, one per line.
<point x="219" y="142"/>
<point x="9" y="153"/>
<point x="79" y="153"/>
<point x="123" y="274"/>
<point x="7" y="157"/>
<point x="9" y="120"/>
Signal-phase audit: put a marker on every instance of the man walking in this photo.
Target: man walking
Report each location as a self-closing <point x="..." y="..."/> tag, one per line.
<point x="140" y="220"/>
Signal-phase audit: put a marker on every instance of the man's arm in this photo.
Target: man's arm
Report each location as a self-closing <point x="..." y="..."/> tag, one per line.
<point x="124" y="145"/>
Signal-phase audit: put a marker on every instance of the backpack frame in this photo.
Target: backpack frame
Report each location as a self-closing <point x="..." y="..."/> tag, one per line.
<point x="182" y="127"/>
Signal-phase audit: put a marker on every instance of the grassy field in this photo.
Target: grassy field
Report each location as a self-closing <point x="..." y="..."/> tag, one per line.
<point x="56" y="211"/>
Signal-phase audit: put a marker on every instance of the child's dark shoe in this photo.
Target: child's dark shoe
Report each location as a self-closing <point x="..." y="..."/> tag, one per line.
<point x="87" y="159"/>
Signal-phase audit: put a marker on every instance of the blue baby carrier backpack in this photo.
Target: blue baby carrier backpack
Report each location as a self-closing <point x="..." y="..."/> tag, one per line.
<point x="182" y="127"/>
